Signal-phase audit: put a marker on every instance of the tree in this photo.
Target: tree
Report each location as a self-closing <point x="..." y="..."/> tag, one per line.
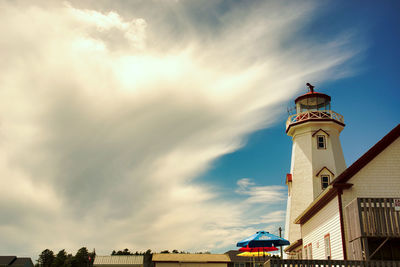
<point x="165" y="252"/>
<point x="121" y="252"/>
<point x="175" y="251"/>
<point x="92" y="255"/>
<point x="147" y="259"/>
<point x="70" y="261"/>
<point x="60" y="259"/>
<point x="46" y="258"/>
<point x="82" y="257"/>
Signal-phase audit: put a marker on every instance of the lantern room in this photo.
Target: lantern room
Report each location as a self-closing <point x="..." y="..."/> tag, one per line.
<point x="313" y="101"/>
<point x="313" y="106"/>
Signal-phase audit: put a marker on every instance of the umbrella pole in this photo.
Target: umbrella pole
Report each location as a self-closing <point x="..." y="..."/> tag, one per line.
<point x="280" y="235"/>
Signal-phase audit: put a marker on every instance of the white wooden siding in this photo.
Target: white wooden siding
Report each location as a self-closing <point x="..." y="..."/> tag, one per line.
<point x="326" y="221"/>
<point x="379" y="178"/>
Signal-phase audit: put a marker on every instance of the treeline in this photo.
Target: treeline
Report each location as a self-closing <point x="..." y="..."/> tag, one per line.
<point x="82" y="258"/>
<point x="127" y="252"/>
<point x="148" y="252"/>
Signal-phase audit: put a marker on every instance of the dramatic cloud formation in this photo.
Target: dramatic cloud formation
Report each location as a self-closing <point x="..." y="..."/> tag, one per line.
<point x="108" y="115"/>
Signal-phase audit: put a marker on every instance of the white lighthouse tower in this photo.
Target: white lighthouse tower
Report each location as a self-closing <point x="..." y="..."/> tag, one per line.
<point x="317" y="156"/>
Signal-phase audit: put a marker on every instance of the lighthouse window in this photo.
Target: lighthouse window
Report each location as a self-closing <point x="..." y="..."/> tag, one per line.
<point x="321" y="144"/>
<point x="324" y="181"/>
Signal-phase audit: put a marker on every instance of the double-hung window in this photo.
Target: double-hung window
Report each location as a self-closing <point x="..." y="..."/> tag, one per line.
<point x="324" y="181"/>
<point x="321" y="142"/>
<point x="327" y="241"/>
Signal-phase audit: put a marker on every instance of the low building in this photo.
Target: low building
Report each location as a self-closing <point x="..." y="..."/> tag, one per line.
<point x="190" y="260"/>
<point x="15" y="261"/>
<point x="119" y="261"/>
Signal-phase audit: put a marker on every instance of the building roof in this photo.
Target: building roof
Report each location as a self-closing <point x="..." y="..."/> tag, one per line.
<point x="6" y="260"/>
<point x="22" y="262"/>
<point x="119" y="260"/>
<point x="294" y="245"/>
<point x="368" y="156"/>
<point x="312" y="94"/>
<point x="340" y="182"/>
<point x="175" y="257"/>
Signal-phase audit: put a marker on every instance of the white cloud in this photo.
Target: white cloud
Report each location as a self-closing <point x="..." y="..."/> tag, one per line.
<point x="107" y="119"/>
<point x="260" y="194"/>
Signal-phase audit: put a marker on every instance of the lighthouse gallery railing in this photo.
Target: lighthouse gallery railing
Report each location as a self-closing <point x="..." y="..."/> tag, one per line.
<point x="314" y="114"/>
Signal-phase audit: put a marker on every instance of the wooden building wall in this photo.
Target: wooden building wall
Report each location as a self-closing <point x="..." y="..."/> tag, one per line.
<point x="326" y="221"/>
<point x="380" y="178"/>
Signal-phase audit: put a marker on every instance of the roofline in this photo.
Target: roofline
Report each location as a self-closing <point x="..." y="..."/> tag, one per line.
<point x="319" y="130"/>
<point x="368" y="156"/>
<point x="294" y="245"/>
<point x="324" y="198"/>
<point x="312" y="94"/>
<point x="323" y="169"/>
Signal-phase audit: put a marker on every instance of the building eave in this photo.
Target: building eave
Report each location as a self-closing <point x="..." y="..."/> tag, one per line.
<point x="294" y="245"/>
<point x="327" y="195"/>
<point x="368" y="156"/>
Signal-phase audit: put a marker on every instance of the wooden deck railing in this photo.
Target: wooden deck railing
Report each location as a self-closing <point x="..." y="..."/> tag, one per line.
<point x="314" y="114"/>
<point x="373" y="217"/>
<point x="329" y="263"/>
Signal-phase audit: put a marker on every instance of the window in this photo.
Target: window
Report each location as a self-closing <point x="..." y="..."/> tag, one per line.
<point x="309" y="248"/>
<point x="327" y="241"/>
<point x="308" y="252"/>
<point x="299" y="254"/>
<point x="321" y="144"/>
<point x="324" y="181"/>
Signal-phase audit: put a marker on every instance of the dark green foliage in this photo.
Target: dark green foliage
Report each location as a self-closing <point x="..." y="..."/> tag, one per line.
<point x="165" y="252"/>
<point x="46" y="258"/>
<point x="147" y="259"/>
<point x="123" y="252"/>
<point x="60" y="259"/>
<point x="81" y="258"/>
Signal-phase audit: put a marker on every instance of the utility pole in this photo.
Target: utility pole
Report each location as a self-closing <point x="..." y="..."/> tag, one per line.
<point x="280" y="235"/>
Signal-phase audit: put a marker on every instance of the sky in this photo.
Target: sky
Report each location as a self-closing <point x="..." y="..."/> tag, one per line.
<point x="161" y="124"/>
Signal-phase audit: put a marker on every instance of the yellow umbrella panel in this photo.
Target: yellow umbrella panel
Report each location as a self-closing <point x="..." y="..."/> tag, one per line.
<point x="253" y="254"/>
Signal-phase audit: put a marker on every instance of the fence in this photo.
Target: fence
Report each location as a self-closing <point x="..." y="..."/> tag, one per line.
<point x="373" y="217"/>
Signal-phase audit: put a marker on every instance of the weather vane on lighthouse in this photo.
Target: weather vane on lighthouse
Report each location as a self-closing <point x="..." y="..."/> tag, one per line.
<point x="310" y="87"/>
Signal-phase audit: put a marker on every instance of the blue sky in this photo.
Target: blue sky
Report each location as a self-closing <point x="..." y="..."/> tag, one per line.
<point x="160" y="124"/>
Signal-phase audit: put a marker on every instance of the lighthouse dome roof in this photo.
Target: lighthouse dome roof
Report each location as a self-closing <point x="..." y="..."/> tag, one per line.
<point x="312" y="94"/>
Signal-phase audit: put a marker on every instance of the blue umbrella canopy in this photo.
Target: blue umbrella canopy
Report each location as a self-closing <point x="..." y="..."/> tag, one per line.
<point x="263" y="239"/>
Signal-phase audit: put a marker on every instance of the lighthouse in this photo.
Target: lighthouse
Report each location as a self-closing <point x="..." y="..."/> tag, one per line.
<point x="317" y="156"/>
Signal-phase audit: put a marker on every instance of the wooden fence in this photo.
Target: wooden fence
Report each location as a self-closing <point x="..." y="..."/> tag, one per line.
<point x="373" y="217"/>
<point x="329" y="263"/>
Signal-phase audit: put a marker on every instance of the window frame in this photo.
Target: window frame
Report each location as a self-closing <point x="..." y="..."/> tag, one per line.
<point x="323" y="142"/>
<point x="309" y="246"/>
<point x="327" y="240"/>
<point x="305" y="253"/>
<point x="322" y="182"/>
